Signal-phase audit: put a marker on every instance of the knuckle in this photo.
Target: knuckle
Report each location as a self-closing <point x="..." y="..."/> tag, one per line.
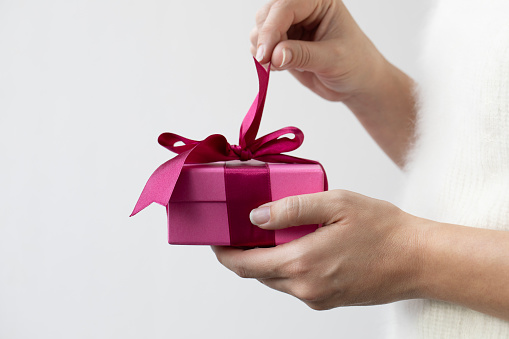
<point x="341" y="202"/>
<point x="292" y="207"/>
<point x="304" y="56"/>
<point x="339" y="195"/>
<point x="253" y="35"/>
<point x="220" y="258"/>
<point x="296" y="265"/>
<point x="306" y="292"/>
<point x="241" y="271"/>
<point x="261" y="15"/>
<point x="269" y="32"/>
<point x="342" y="198"/>
<point x="317" y="306"/>
<point x="297" y="268"/>
<point x="282" y="4"/>
<point x="389" y="207"/>
<point x="337" y="51"/>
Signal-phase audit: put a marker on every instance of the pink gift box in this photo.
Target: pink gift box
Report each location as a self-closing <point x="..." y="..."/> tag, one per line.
<point x="199" y="212"/>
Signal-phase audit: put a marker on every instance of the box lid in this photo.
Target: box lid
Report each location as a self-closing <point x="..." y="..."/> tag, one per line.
<point x="205" y="182"/>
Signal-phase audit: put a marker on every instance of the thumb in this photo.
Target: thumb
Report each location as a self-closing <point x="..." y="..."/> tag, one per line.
<point x="311" y="56"/>
<point x="306" y="209"/>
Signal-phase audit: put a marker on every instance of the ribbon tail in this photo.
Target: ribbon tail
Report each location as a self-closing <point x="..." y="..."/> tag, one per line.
<point x="161" y="183"/>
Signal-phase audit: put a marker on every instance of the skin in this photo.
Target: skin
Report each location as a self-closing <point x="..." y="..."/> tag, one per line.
<point x="368" y="251"/>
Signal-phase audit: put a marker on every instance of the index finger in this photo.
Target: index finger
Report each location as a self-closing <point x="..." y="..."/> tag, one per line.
<point x="281" y="16"/>
<point x="259" y="263"/>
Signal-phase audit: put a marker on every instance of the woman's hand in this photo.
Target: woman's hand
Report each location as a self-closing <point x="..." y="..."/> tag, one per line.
<point x="366" y="252"/>
<point x="370" y="252"/>
<point x="320" y="43"/>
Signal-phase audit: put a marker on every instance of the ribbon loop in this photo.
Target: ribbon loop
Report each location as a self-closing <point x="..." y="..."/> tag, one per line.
<point x="251" y="122"/>
<point x="168" y="140"/>
<point x="274" y="143"/>
<point x="268" y="148"/>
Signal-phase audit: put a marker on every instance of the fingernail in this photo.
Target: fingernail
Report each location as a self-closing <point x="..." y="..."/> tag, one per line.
<point x="260" y="216"/>
<point x="260" y="53"/>
<point x="287" y="57"/>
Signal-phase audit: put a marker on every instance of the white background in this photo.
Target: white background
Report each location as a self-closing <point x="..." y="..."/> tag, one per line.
<point x="85" y="89"/>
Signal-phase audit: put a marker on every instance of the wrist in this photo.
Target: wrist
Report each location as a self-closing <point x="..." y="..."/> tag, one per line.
<point x="418" y="236"/>
<point x="386" y="108"/>
<point x="380" y="85"/>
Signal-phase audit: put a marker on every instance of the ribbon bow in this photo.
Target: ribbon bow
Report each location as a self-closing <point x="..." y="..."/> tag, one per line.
<point x="268" y="148"/>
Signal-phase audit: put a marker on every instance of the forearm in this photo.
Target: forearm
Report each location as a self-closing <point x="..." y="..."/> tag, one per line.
<point x="466" y="266"/>
<point x="387" y="110"/>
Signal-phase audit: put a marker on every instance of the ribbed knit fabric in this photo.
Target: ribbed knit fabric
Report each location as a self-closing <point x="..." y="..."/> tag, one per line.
<point x="458" y="171"/>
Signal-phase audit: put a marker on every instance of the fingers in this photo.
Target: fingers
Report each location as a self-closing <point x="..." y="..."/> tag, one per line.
<point x="290" y="284"/>
<point x="261" y="15"/>
<point x="259" y="263"/>
<point x="273" y="22"/>
<point x="276" y="23"/>
<point x="316" y="57"/>
<point x="282" y="268"/>
<point x="299" y="289"/>
<point x="316" y="208"/>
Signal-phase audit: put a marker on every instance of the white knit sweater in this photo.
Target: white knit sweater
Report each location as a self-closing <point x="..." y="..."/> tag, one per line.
<point x="458" y="171"/>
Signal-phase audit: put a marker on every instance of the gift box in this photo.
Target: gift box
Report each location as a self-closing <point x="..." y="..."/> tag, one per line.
<point x="211" y="203"/>
<point x="210" y="187"/>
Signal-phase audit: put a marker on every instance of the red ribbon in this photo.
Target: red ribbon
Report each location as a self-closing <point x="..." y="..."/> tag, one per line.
<point x="255" y="181"/>
<point x="268" y="148"/>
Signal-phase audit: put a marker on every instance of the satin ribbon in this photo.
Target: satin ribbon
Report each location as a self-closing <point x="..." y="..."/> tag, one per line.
<point x="246" y="188"/>
<point x="268" y="148"/>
